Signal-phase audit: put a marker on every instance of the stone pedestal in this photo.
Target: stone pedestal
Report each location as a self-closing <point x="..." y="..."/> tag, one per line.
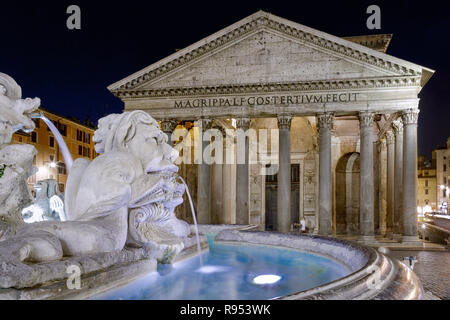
<point x="284" y="174"/>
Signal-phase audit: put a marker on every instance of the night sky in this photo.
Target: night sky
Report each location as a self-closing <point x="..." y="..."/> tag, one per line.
<point x="70" y="70"/>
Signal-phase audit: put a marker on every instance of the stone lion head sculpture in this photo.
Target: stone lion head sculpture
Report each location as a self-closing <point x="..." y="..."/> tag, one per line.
<point x="138" y="132"/>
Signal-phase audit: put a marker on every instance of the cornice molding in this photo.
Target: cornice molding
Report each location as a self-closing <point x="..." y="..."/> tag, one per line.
<point x="262" y="88"/>
<point x="266" y="21"/>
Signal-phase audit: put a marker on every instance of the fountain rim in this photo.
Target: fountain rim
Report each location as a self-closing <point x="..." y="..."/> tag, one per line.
<point x="397" y="281"/>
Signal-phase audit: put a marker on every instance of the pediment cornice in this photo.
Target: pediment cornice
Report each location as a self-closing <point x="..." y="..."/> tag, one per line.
<point x="260" y="21"/>
<point x="263" y="88"/>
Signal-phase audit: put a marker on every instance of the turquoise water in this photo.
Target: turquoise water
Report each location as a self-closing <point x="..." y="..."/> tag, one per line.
<point x="228" y="274"/>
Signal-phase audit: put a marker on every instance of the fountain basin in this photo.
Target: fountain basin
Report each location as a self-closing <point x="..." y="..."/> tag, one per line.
<point x="368" y="274"/>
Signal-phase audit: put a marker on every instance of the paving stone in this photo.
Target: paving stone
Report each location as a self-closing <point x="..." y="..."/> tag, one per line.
<point x="433" y="269"/>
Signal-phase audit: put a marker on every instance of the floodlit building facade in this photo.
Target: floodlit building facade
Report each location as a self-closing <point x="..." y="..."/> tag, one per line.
<point x="345" y="113"/>
<point x="49" y="160"/>
<point x="427" y="189"/>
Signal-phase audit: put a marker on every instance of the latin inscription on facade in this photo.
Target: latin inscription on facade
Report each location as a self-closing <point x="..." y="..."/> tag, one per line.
<point x="266" y="100"/>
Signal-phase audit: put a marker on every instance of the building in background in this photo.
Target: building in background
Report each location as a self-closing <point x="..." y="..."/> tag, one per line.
<point x="426" y="186"/>
<point x="442" y="156"/>
<point x="49" y="160"/>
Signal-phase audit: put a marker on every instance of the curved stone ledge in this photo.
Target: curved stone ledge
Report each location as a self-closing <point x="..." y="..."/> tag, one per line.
<point x="374" y="275"/>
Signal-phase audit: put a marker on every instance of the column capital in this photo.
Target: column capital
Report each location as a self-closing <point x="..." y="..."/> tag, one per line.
<point x="168" y="125"/>
<point x="410" y="116"/>
<point x="325" y="121"/>
<point x="243" y="123"/>
<point x="221" y="129"/>
<point x="390" y="138"/>
<point x="284" y="121"/>
<point x="366" y="119"/>
<point x="205" y="123"/>
<point x="381" y="145"/>
<point x="397" y="125"/>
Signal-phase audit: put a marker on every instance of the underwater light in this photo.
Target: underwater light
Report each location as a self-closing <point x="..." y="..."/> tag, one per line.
<point x="266" y="279"/>
<point x="212" y="269"/>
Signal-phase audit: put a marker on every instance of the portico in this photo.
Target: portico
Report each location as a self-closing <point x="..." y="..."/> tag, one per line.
<point x="329" y="97"/>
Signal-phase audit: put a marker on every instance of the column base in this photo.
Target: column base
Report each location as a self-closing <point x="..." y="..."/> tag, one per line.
<point x="367" y="239"/>
<point x="397" y="237"/>
<point x="411" y="241"/>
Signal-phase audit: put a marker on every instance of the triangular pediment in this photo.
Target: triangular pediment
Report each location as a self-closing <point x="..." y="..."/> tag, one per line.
<point x="263" y="57"/>
<point x="263" y="48"/>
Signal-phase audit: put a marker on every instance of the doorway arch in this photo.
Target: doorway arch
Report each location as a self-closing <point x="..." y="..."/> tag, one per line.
<point x="347" y="194"/>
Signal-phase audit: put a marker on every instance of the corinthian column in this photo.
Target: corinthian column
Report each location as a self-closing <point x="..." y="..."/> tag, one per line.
<point x="284" y="174"/>
<point x="168" y="126"/>
<point x="226" y="182"/>
<point x="398" y="177"/>
<point x="366" y="176"/>
<point x="204" y="177"/>
<point x="242" y="176"/>
<point x="390" y="140"/>
<point x="325" y="124"/>
<point x="410" y="118"/>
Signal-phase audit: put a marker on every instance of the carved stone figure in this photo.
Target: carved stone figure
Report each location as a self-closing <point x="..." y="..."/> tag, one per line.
<point x="16" y="161"/>
<point x="48" y="204"/>
<point x="127" y="194"/>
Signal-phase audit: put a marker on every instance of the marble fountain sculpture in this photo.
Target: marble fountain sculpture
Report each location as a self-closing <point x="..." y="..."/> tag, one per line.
<point x="126" y="196"/>
<point x="120" y="222"/>
<point x="48" y="204"/>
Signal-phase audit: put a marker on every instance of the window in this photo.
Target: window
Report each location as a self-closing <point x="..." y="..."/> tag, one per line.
<point x="445" y="167"/>
<point x="37" y="122"/>
<point x="52" y="158"/>
<point x="52" y="142"/>
<point x="62" y="168"/>
<point x="34" y="137"/>
<point x="80" y="150"/>
<point x="426" y="191"/>
<point x="61" y="187"/>
<point x="295" y="172"/>
<point x="426" y="183"/>
<point x="79" y="135"/>
<point x="20" y="139"/>
<point x="445" y="180"/>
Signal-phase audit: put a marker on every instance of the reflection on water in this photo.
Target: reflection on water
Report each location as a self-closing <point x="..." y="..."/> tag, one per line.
<point x="228" y="273"/>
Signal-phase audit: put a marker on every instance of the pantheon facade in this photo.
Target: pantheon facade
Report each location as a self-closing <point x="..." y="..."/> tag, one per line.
<point x="346" y="114"/>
